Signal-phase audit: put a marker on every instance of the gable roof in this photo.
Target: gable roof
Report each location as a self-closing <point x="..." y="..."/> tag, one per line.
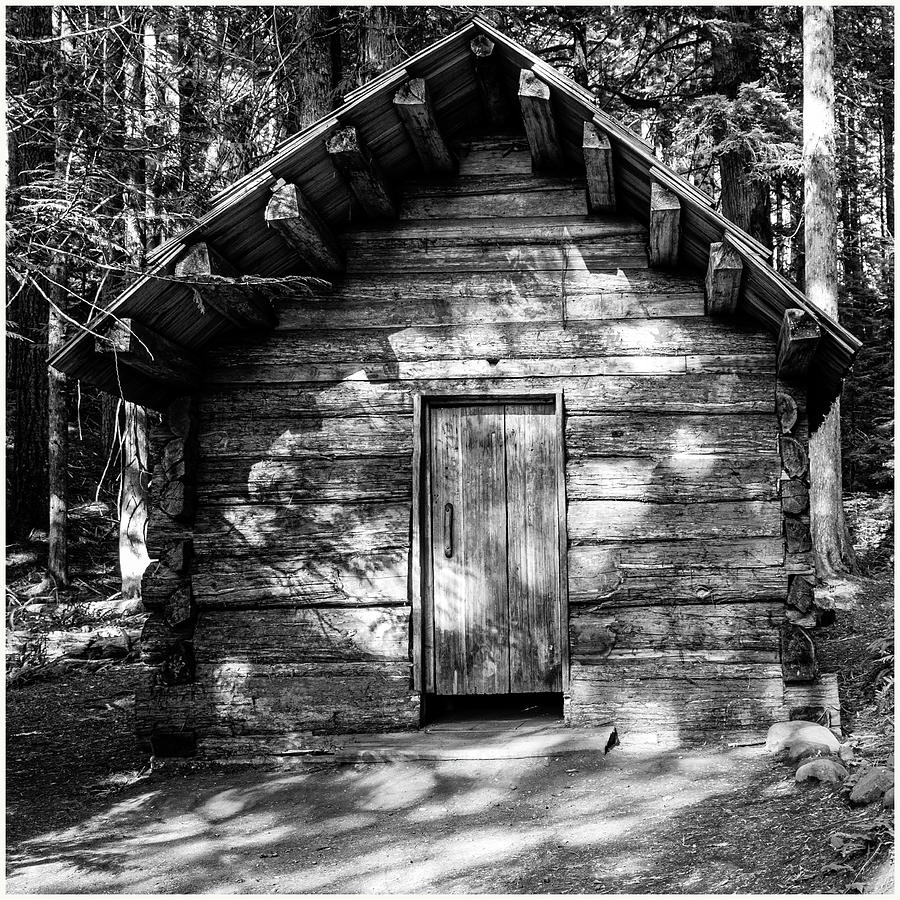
<point x="236" y="227"/>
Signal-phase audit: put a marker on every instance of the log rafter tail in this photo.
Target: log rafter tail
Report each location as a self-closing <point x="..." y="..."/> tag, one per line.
<point x="218" y="285"/>
<point x="490" y="82"/>
<point x="665" y="227"/>
<point x="414" y="107"/>
<point x="290" y="214"/>
<point x="353" y="159"/>
<point x="798" y="341"/>
<point x="540" y="123"/>
<point x="723" y="279"/>
<point x="598" y="164"/>
<point x="145" y="351"/>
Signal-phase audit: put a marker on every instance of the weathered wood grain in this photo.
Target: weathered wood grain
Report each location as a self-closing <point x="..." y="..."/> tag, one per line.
<point x="665" y="227"/>
<point x="650" y="435"/>
<point x="558" y="200"/>
<point x="540" y="125"/>
<point x="413" y="104"/>
<point x="251" y="529"/>
<point x="499" y="156"/>
<point x="499" y="256"/>
<point x="618" y="520"/>
<point x="599" y="567"/>
<point x="535" y="657"/>
<point x="312" y="577"/>
<point x="469" y="550"/>
<point x="723" y="279"/>
<point x="362" y="172"/>
<point x="598" y="164"/>
<point x="733" y="626"/>
<point x="613" y="337"/>
<point x="302" y="479"/>
<point x="287" y="636"/>
<point x="598" y="575"/>
<point x="290" y="214"/>
<point x="296" y="436"/>
<point x="741" y="703"/>
<point x="712" y="394"/>
<point x="733" y="476"/>
<point x="797" y="343"/>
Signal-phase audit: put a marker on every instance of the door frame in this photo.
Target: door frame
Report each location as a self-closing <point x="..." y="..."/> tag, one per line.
<point x="419" y="580"/>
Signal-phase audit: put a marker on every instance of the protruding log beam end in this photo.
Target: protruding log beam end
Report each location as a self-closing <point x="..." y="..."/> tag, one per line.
<point x="598" y="164"/>
<point x="144" y="350"/>
<point x="218" y="285"/>
<point x="487" y="73"/>
<point x="798" y="655"/>
<point x="355" y="162"/>
<point x="723" y="279"/>
<point x="413" y="105"/>
<point x="665" y="227"/>
<point x="294" y="218"/>
<point x="797" y="343"/>
<point x="540" y="126"/>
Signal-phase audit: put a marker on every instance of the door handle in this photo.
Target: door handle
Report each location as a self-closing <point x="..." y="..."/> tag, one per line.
<point x="448" y="530"/>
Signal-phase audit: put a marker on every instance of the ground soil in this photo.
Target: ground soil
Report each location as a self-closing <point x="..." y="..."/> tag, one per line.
<point x="84" y="814"/>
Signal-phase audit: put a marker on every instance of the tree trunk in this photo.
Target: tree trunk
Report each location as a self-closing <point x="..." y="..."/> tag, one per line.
<point x="155" y="100"/>
<point x="831" y="540"/>
<point x="735" y="61"/>
<point x="379" y="49"/>
<point x="30" y="152"/>
<point x="133" y="556"/>
<point x="57" y="417"/>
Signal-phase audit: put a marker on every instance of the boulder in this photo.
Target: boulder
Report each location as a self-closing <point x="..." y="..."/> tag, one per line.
<point x="824" y="769"/>
<point x="888" y="799"/>
<point x="806" y="750"/>
<point x="846" y="752"/>
<point x="872" y="785"/>
<point x="782" y="735"/>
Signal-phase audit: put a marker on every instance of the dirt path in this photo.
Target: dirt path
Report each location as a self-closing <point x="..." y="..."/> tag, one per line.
<point x="702" y="821"/>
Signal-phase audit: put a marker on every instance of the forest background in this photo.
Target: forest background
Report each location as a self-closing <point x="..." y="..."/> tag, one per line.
<point x="125" y="121"/>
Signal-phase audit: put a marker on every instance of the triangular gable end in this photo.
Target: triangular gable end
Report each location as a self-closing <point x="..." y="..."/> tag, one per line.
<point x="192" y="294"/>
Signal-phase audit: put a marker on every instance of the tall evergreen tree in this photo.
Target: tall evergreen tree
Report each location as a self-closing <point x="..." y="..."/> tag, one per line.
<point x="831" y="540"/>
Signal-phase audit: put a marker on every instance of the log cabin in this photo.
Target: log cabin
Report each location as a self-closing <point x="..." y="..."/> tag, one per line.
<point x="466" y="393"/>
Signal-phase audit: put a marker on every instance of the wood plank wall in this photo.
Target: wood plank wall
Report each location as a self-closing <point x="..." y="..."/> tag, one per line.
<point x="496" y="279"/>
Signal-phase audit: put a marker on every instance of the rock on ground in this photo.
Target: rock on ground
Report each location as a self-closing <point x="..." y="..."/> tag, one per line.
<point x="806" y="750"/>
<point x="783" y="735"/>
<point x="888" y="799"/>
<point x="872" y="786"/>
<point x="828" y="771"/>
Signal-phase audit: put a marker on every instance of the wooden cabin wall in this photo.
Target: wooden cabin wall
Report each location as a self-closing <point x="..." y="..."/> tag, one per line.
<point x="495" y="280"/>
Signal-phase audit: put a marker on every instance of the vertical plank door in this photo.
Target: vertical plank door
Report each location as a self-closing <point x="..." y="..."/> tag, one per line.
<point x="533" y="548"/>
<point x="468" y="549"/>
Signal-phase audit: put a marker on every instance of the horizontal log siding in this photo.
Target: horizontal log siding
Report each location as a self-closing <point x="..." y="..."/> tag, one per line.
<point x="494" y="281"/>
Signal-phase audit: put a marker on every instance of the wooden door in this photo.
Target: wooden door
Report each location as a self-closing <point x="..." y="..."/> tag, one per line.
<point x="493" y="519"/>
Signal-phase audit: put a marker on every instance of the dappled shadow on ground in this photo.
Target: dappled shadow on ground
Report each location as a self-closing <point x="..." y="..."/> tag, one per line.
<point x="698" y="821"/>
